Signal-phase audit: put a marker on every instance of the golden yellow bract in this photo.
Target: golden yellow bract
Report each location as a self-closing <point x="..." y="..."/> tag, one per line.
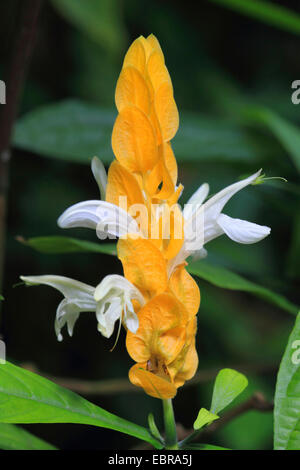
<point x="145" y="172"/>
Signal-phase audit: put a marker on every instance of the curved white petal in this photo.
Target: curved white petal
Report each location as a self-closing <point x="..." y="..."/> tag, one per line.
<point x="114" y="283"/>
<point x="106" y="218"/>
<point x="82" y="214"/>
<point x="131" y="320"/>
<point x="107" y="317"/>
<point x="100" y="175"/>
<point x="113" y="296"/>
<point x="70" y="288"/>
<point x="200" y="195"/>
<point x="79" y="297"/>
<point x="214" y="205"/>
<point x="242" y="231"/>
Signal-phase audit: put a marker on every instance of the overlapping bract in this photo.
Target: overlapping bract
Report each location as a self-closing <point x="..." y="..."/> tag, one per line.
<point x="145" y="172"/>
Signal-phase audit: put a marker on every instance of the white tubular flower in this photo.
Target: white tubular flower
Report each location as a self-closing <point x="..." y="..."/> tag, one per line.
<point x="106" y="218"/>
<point x="114" y="297"/>
<point x="110" y="300"/>
<point x="78" y="297"/>
<point x="204" y="222"/>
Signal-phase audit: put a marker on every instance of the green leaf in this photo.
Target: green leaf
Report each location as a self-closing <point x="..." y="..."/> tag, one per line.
<point x="153" y="428"/>
<point x="15" y="438"/>
<point x="286" y="132"/>
<point x="76" y="131"/>
<point x="100" y="20"/>
<point x="204" y="417"/>
<point x="228" y="385"/>
<point x="1" y="297"/>
<point x="29" y="398"/>
<point x="57" y="245"/>
<point x="287" y="395"/>
<point x="203" y="447"/>
<point x="69" y="130"/>
<point x="274" y="15"/>
<point x="222" y="277"/>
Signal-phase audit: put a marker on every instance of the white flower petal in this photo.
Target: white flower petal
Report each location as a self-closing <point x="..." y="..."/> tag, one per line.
<point x="70" y="288"/>
<point x="99" y="175"/>
<point x="214" y="205"/>
<point x="116" y="284"/>
<point x="79" y="297"/>
<point x="107" y="318"/>
<point x="106" y="218"/>
<point x="242" y="231"/>
<point x="131" y="320"/>
<point x="113" y="296"/>
<point x="200" y="195"/>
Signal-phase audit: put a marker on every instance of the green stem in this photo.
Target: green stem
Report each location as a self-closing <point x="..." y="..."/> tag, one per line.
<point x="189" y="439"/>
<point x="170" y="425"/>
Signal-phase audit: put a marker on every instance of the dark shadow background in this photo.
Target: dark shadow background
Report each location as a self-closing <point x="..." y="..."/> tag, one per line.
<point x="203" y="43"/>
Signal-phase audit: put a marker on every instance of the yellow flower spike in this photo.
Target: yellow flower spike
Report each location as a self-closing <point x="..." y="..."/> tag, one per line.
<point x="147" y="47"/>
<point x="170" y="162"/>
<point x="136" y="55"/>
<point x="185" y="364"/>
<point x="160" y="175"/>
<point x="166" y="111"/>
<point x="161" y="334"/>
<point x="173" y="241"/>
<point x="153" y="385"/>
<point x="185" y="289"/>
<point x="132" y="89"/>
<point x="153" y="42"/>
<point x="143" y="264"/>
<point x="121" y="182"/>
<point x="133" y="140"/>
<point x="158" y="72"/>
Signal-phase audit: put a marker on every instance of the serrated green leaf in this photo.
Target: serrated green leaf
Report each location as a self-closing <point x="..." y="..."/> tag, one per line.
<point x="287" y="395"/>
<point x="99" y="20"/>
<point x="57" y="245"/>
<point x="228" y="385"/>
<point x="76" y="131"/>
<point x="26" y="397"/>
<point x="204" y="417"/>
<point x="227" y="279"/>
<point x="275" y="15"/>
<point x="16" y="438"/>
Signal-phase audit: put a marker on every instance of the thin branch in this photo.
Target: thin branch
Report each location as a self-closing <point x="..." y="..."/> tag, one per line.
<point x="118" y="386"/>
<point x="21" y="54"/>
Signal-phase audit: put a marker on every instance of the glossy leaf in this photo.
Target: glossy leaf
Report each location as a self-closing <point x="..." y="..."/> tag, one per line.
<point x="16" y="438"/>
<point x="227" y="279"/>
<point x="29" y="398"/>
<point x="275" y="15"/>
<point x="287" y="395"/>
<point x="228" y="385"/>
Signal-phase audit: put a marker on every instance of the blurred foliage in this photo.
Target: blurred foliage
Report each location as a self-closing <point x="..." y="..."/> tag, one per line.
<point x="232" y="78"/>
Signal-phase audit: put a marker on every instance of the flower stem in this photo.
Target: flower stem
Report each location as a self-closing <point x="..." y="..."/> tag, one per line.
<point x="170" y="425"/>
